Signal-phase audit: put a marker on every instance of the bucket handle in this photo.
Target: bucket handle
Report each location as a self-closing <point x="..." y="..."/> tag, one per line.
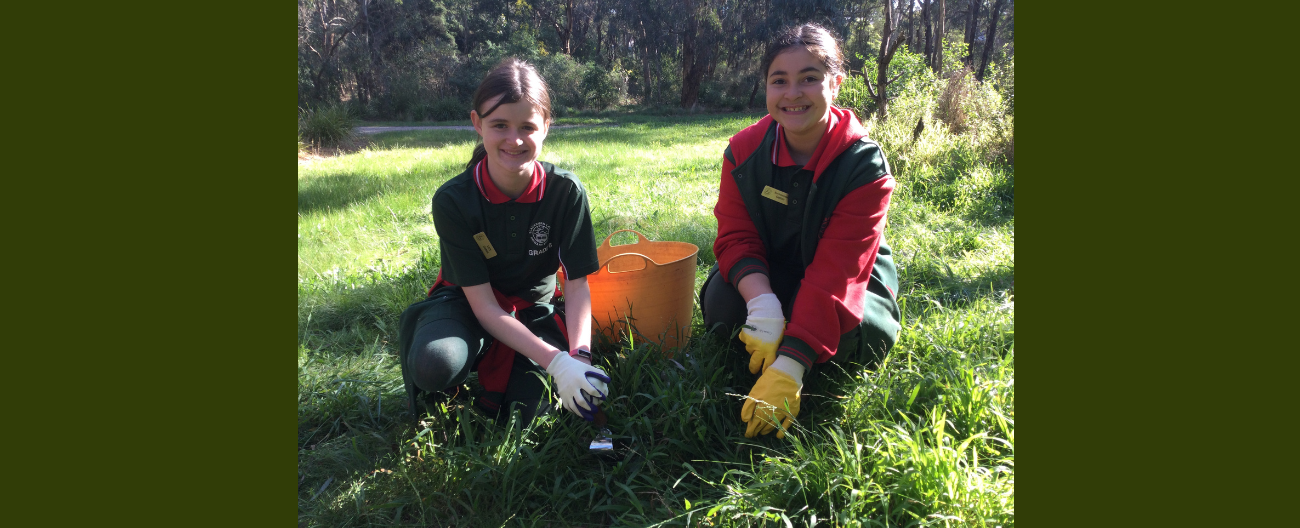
<point x="643" y="240"/>
<point x="609" y="264"/>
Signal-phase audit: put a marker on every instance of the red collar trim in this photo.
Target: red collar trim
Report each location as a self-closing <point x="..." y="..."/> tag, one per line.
<point x="536" y="187"/>
<point x="781" y="153"/>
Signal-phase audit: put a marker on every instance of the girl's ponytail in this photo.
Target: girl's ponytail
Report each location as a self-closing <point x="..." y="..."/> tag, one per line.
<point x="480" y="152"/>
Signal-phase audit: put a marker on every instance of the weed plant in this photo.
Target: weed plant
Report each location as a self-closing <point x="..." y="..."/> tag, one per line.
<point x="924" y="438"/>
<point x="325" y="126"/>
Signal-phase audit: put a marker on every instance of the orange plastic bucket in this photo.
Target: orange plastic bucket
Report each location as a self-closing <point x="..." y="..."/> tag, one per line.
<point x="650" y="284"/>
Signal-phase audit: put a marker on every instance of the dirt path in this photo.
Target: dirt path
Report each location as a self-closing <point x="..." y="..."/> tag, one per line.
<point x="307" y="157"/>
<point x="369" y="130"/>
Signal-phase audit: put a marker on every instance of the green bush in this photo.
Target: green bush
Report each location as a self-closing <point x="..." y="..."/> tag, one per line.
<point x="450" y="109"/>
<point x="602" y="89"/>
<point x="325" y="126"/>
<point x="912" y="89"/>
<point x="444" y="109"/>
<point x="565" y="76"/>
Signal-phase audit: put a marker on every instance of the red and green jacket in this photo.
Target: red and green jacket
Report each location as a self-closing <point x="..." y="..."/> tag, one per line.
<point x="824" y="249"/>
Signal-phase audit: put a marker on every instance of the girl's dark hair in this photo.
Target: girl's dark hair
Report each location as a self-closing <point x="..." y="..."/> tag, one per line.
<point x="515" y="80"/>
<point x="812" y="37"/>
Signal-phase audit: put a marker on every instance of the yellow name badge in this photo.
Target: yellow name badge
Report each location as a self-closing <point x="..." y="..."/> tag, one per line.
<point x="483" y="244"/>
<point x="777" y="196"/>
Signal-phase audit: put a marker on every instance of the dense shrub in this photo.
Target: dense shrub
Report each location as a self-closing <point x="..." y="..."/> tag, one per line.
<point x="565" y="76"/>
<point x="912" y="89"/>
<point x="730" y="88"/>
<point x="325" y="126"/>
<point x="956" y="91"/>
<point x="961" y="159"/>
<point x="448" y="109"/>
<point x="602" y="89"/>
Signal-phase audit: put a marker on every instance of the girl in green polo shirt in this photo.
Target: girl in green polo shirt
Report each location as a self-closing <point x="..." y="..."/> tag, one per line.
<point x="505" y="225"/>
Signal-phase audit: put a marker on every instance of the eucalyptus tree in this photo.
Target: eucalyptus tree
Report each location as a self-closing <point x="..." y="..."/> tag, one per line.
<point x="994" y="14"/>
<point x="890" y="38"/>
<point x="972" y="18"/>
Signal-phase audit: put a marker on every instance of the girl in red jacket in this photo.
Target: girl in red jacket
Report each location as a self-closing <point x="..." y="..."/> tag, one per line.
<point x="801" y="219"/>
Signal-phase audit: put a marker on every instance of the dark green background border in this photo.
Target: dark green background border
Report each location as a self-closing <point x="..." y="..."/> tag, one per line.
<point x="1131" y="266"/>
<point x="147" y="193"/>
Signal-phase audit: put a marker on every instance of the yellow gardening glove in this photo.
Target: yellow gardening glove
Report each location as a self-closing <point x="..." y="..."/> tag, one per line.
<point x="762" y="333"/>
<point x="777" y="389"/>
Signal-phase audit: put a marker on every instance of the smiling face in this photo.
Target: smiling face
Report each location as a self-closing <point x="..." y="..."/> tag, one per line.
<point x="512" y="136"/>
<point x="800" y="91"/>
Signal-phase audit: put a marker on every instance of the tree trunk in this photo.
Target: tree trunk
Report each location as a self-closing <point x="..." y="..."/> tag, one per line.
<point x="911" y="28"/>
<point x="971" y="29"/>
<point x="690" y="90"/>
<point x="938" y="48"/>
<point x="363" y="77"/>
<point x="600" y="37"/>
<point x="925" y="15"/>
<point x="331" y="42"/>
<point x="562" y="30"/>
<point x="988" y="41"/>
<point x="565" y="30"/>
<point x="697" y="55"/>
<point x="568" y="32"/>
<point x="645" y="63"/>
<point x="888" y="46"/>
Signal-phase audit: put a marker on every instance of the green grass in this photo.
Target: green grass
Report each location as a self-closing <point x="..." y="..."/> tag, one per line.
<point x="927" y="438"/>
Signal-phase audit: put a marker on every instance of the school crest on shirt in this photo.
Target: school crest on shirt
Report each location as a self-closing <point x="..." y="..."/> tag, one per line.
<point x="540" y="233"/>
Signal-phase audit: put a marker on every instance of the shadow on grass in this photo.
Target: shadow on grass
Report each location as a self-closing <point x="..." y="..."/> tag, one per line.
<point x="336" y="191"/>
<point x="349" y="315"/>
<point x="425" y="139"/>
<point x="346" y="190"/>
<point x="929" y="279"/>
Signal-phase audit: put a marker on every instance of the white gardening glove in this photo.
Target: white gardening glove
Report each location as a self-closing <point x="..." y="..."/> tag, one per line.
<point x="763" y="330"/>
<point x="579" y="385"/>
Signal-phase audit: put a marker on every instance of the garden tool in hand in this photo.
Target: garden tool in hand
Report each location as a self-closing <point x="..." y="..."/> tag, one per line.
<point x="603" y="444"/>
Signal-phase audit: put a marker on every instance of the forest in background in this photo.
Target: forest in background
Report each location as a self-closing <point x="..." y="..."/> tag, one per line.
<point x="418" y="60"/>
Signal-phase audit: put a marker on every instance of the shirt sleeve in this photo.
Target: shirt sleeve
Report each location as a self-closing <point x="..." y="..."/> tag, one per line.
<point x="463" y="263"/>
<point x="738" y="248"/>
<point x="832" y="293"/>
<point x="578" y="249"/>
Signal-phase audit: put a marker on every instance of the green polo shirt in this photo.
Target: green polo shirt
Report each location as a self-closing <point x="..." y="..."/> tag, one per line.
<point x="784" y="225"/>
<point x="531" y="236"/>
